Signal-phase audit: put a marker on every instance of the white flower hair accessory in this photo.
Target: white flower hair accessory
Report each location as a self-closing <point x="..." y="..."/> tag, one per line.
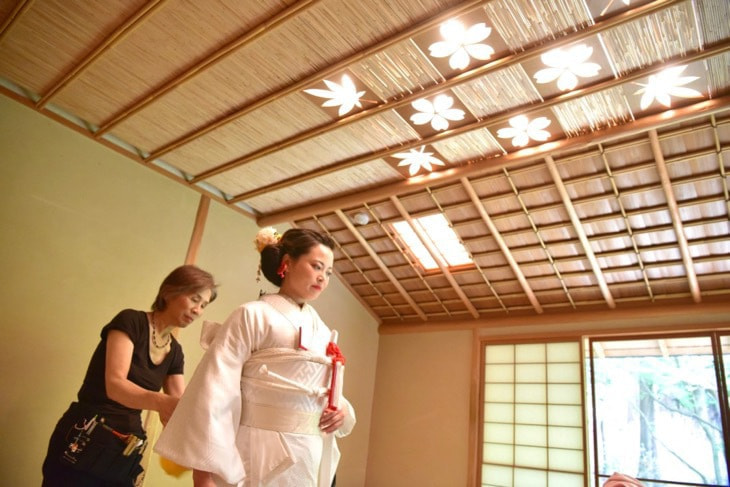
<point x="266" y="236"/>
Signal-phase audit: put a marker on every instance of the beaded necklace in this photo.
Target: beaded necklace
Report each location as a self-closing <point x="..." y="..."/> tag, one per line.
<point x="154" y="335"/>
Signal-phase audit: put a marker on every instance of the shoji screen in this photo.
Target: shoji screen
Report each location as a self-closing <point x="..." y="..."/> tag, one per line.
<point x="533" y="415"/>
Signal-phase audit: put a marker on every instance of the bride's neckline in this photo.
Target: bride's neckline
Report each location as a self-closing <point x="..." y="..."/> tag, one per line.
<point x="291" y="300"/>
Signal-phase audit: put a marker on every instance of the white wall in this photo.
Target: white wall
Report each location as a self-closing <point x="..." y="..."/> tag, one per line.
<point x="421" y="410"/>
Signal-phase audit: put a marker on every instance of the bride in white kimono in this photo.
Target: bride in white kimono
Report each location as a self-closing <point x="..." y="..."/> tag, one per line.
<point x="263" y="407"/>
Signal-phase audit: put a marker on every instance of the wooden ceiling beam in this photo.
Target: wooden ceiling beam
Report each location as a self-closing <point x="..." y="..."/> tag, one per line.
<point x="199" y="67"/>
<point x="494" y="231"/>
<point x="15" y="14"/>
<point x="501" y="63"/>
<point x="436" y="256"/>
<point x="121" y="32"/>
<point x="198" y="229"/>
<point x="491" y="163"/>
<point x="719" y="149"/>
<point x="578" y="228"/>
<point x="379" y="262"/>
<point x="593" y="322"/>
<point x="318" y="76"/>
<point x="441" y="136"/>
<point x="676" y="217"/>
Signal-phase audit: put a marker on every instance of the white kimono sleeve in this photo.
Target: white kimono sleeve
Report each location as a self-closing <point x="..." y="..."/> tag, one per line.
<point x="350" y="420"/>
<point x="201" y="433"/>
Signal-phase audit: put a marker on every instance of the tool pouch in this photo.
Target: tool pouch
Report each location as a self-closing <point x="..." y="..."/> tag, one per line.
<point x="98" y="449"/>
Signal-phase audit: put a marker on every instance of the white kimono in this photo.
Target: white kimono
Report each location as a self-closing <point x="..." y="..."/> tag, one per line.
<point x="250" y="414"/>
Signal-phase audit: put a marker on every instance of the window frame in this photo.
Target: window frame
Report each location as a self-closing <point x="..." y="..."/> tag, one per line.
<point x="715" y="339"/>
<point x="585" y="343"/>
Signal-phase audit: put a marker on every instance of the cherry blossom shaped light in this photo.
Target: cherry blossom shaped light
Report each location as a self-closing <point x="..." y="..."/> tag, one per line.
<point x="567" y="65"/>
<point x="461" y="44"/>
<point x="522" y="130"/>
<point x="344" y="95"/>
<point x="608" y="5"/>
<point x="417" y="159"/>
<point x="437" y="113"/>
<point x="666" y="84"/>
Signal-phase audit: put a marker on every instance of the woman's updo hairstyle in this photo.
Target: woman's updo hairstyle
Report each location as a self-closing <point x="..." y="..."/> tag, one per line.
<point x="295" y="242"/>
<point x="184" y="280"/>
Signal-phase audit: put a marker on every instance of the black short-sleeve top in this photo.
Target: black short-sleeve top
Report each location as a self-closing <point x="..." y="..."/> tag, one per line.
<point x="142" y="370"/>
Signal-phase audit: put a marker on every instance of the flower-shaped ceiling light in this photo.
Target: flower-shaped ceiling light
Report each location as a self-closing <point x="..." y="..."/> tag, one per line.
<point x="344" y="95"/>
<point x="608" y="5"/>
<point x="567" y="65"/>
<point x="417" y="159"/>
<point x="522" y="130"/>
<point x="438" y="113"/>
<point x="461" y="44"/>
<point x="662" y="86"/>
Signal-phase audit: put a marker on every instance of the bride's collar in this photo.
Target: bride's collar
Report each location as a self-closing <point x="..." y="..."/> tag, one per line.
<point x="290" y="300"/>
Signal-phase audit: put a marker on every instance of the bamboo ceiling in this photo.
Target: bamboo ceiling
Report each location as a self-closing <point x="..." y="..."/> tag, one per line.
<point x="596" y="185"/>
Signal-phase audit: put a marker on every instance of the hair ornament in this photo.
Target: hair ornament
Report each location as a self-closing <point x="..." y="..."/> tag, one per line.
<point x="266" y="236"/>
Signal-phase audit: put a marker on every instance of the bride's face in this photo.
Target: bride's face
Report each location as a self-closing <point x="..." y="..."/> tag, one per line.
<point x="309" y="275"/>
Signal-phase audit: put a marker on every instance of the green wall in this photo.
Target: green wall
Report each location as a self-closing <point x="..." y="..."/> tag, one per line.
<point x="87" y="232"/>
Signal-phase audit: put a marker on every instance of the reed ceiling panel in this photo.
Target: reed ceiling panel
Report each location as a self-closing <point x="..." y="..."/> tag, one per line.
<point x="568" y="144"/>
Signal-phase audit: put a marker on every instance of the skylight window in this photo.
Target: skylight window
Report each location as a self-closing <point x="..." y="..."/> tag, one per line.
<point x="442" y="237"/>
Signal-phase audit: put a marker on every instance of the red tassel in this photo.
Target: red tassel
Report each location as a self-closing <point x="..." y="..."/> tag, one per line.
<point x="334" y="352"/>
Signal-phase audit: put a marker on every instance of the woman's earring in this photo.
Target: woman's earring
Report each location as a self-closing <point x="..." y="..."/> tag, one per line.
<point x="281" y="271"/>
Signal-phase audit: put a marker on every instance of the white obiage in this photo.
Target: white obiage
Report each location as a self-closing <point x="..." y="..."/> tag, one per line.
<point x="250" y="414"/>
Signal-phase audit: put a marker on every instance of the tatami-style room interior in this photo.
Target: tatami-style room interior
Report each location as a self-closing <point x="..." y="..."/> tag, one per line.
<point x="505" y="181"/>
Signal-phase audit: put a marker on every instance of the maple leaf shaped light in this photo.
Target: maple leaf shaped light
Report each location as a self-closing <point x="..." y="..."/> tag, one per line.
<point x="567" y="66"/>
<point x="344" y="95"/>
<point x="438" y="113"/>
<point x="417" y="159"/>
<point x="522" y="130"/>
<point x="666" y="84"/>
<point x="460" y="44"/>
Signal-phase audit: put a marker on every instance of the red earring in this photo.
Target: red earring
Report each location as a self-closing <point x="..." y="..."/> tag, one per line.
<point x="281" y="271"/>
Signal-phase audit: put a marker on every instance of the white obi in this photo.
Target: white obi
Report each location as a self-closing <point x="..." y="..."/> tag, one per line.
<point x="285" y="390"/>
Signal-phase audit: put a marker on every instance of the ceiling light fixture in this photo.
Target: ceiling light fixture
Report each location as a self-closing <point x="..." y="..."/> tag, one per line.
<point x="417" y="159"/>
<point x="567" y="65"/>
<point x="438" y="113"/>
<point x="461" y="44"/>
<point x="666" y="84"/>
<point x="344" y="95"/>
<point x="361" y="218"/>
<point x="608" y="5"/>
<point x="522" y="130"/>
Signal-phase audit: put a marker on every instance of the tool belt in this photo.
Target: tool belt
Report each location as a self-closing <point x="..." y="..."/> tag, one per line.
<point x="98" y="449"/>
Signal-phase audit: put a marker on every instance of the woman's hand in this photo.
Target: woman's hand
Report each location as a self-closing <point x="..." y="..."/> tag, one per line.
<point x="166" y="408"/>
<point x="203" y="479"/>
<point x="331" y="420"/>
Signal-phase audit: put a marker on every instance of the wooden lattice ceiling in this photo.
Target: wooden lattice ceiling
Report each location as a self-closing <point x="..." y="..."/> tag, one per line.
<point x="573" y="187"/>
